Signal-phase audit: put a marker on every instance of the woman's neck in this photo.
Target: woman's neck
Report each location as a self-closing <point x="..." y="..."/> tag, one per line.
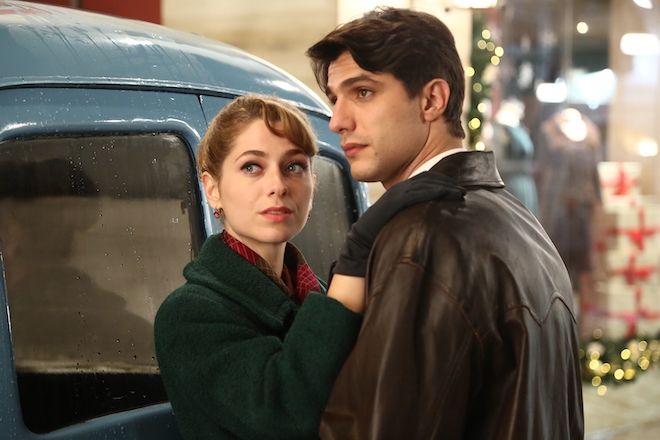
<point x="274" y="256"/>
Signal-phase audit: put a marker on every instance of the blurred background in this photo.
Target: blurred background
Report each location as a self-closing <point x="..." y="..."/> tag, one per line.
<point x="565" y="92"/>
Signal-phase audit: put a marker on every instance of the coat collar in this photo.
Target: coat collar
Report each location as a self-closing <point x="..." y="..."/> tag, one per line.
<point x="230" y="275"/>
<point x="471" y="168"/>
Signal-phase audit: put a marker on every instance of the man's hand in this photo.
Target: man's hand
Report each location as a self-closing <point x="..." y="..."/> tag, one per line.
<point x="421" y="188"/>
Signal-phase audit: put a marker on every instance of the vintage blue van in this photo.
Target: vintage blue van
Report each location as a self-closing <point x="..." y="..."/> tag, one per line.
<point x="101" y="207"/>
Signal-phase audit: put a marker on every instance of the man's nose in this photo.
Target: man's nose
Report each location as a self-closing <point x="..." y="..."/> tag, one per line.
<point x="342" y="119"/>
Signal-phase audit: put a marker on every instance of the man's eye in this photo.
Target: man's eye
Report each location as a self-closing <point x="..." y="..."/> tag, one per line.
<point x="363" y="93"/>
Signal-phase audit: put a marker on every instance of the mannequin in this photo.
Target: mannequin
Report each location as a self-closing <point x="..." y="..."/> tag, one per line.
<point x="514" y="152"/>
<point x="569" y="193"/>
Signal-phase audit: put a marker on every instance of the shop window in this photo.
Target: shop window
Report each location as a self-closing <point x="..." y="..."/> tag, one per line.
<point x="95" y="232"/>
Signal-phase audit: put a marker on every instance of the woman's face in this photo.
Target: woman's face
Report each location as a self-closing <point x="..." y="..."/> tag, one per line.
<point x="265" y="189"/>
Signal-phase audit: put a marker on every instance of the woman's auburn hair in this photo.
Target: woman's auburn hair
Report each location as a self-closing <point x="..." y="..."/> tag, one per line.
<point x="281" y="118"/>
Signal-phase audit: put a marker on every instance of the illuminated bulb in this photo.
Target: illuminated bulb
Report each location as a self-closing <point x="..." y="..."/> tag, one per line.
<point x="582" y="27"/>
<point x="552" y="92"/>
<point x="646" y="4"/>
<point x="602" y="390"/>
<point x="648" y="148"/>
<point x="486" y="34"/>
<point x="474" y="124"/>
<point x="470" y="71"/>
<point x="640" y="44"/>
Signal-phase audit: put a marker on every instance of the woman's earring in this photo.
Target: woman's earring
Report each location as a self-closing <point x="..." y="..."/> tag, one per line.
<point x="217" y="212"/>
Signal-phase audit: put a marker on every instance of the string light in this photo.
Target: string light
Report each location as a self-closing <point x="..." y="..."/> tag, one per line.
<point x="620" y="361"/>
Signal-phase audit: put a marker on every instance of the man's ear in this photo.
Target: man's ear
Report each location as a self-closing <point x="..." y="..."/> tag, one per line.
<point x="211" y="190"/>
<point x="435" y="96"/>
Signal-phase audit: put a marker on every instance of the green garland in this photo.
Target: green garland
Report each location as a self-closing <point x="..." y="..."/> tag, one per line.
<point x="483" y="55"/>
<point x="604" y="362"/>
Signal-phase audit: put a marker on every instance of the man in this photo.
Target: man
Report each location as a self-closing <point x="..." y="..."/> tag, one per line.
<point x="469" y="330"/>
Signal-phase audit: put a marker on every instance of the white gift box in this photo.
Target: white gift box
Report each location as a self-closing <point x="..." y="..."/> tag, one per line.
<point x="633" y="268"/>
<point x="627" y="310"/>
<point x="619" y="179"/>
<point x="633" y="226"/>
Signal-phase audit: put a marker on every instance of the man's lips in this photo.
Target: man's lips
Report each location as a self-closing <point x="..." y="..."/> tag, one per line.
<point x="351" y="149"/>
<point x="277" y="213"/>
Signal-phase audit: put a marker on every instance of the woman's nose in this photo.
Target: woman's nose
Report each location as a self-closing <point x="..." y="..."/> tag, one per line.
<point x="278" y="183"/>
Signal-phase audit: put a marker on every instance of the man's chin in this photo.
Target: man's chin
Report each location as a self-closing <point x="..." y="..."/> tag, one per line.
<point x="361" y="174"/>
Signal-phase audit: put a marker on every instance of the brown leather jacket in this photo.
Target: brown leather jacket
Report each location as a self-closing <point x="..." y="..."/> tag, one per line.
<point x="469" y="331"/>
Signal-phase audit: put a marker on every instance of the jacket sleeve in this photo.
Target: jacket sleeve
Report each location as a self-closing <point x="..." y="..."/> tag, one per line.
<point x="218" y="364"/>
<point x="407" y="375"/>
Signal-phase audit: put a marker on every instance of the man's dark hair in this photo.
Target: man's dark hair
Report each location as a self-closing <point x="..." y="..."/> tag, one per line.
<point x="413" y="46"/>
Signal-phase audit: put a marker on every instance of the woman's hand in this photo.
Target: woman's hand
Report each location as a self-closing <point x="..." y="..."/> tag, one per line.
<point x="421" y="188"/>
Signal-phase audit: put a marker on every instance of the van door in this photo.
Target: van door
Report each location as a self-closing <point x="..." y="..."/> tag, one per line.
<point x="100" y="209"/>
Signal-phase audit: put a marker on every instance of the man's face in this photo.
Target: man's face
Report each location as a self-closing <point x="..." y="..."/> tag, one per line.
<point x="382" y="130"/>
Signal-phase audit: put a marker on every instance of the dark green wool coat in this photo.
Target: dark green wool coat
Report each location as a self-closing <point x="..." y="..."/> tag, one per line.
<point x="239" y="359"/>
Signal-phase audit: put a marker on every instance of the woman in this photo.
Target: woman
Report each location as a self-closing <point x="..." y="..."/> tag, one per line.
<point x="249" y="347"/>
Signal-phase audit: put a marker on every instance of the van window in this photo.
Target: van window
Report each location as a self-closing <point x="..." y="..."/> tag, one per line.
<point x="95" y="232"/>
<point x="331" y="217"/>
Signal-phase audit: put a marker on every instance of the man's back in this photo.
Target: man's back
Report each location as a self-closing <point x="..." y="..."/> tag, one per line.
<point x="469" y="330"/>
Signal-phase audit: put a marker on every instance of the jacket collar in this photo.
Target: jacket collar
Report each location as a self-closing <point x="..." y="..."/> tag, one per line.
<point x="471" y="168"/>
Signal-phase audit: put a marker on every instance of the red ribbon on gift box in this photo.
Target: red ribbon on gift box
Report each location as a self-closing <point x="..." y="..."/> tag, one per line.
<point x="631" y="318"/>
<point x="622" y="183"/>
<point x="637" y="235"/>
<point x="632" y="272"/>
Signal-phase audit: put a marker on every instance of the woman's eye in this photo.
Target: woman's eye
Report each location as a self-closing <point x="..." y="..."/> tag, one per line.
<point x="250" y="167"/>
<point x="296" y="167"/>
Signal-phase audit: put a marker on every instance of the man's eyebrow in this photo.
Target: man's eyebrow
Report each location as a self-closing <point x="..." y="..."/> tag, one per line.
<point x="347" y="83"/>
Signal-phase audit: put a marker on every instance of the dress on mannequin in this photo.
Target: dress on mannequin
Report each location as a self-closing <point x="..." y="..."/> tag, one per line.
<point x="514" y="153"/>
<point x="569" y="190"/>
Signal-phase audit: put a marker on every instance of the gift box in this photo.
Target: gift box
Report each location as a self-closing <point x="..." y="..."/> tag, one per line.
<point x="626" y="310"/>
<point x="633" y="225"/>
<point x="633" y="268"/>
<point x="619" y="179"/>
<point x="615" y="312"/>
<point x="649" y="313"/>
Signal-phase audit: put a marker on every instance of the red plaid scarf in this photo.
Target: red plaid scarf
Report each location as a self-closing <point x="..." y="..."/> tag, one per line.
<point x="297" y="278"/>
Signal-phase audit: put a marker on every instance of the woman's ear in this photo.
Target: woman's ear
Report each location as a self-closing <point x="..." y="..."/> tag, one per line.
<point x="211" y="190"/>
<point x="435" y="96"/>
